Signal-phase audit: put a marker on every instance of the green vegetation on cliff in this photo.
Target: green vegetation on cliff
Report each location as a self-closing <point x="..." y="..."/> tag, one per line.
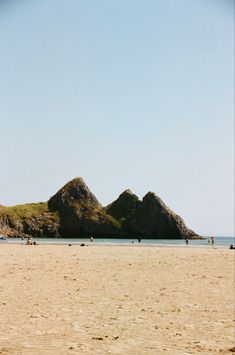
<point x="31" y="218"/>
<point x="27" y="210"/>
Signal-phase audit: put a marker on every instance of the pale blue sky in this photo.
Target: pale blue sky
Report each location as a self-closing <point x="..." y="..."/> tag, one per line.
<point x="127" y="94"/>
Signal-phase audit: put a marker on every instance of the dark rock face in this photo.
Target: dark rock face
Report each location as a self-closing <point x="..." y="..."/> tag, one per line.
<point x="44" y="225"/>
<point x="10" y="226"/>
<point x="80" y="212"/>
<point x="153" y="219"/>
<point x="75" y="212"/>
<point x="124" y="206"/>
<point x="74" y="195"/>
<point x="41" y="226"/>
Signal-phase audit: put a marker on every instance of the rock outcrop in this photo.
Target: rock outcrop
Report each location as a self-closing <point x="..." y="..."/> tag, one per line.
<point x="80" y="212"/>
<point x="124" y="206"/>
<point x="74" y="211"/>
<point x="153" y="219"/>
<point x="75" y="195"/>
<point x="29" y="219"/>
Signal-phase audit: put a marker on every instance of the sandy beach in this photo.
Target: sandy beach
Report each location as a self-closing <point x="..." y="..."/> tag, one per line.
<point x="116" y="300"/>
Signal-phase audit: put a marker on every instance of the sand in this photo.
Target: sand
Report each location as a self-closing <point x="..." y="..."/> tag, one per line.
<point x="116" y="300"/>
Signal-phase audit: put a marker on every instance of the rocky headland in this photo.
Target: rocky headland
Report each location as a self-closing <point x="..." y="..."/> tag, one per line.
<point x="74" y="211"/>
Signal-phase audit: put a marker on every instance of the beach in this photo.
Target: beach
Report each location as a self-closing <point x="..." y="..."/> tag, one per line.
<point x="60" y="299"/>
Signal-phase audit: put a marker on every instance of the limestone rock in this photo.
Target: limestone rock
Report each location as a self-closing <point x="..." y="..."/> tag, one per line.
<point x="74" y="211"/>
<point x="29" y="219"/>
<point x="153" y="219"/>
<point x="124" y="206"/>
<point x="75" y="195"/>
<point x="80" y="212"/>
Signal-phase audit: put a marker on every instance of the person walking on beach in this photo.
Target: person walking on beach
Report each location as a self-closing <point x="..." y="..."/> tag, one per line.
<point x="186" y="241"/>
<point x="212" y="241"/>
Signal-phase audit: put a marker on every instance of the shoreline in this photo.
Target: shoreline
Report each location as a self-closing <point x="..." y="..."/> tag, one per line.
<point x="135" y="245"/>
<point x="161" y="243"/>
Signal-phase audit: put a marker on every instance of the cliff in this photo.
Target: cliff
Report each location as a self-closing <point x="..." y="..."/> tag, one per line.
<point x="74" y="211"/>
<point x="80" y="212"/>
<point x="153" y="219"/>
<point x="30" y="219"/>
<point x="124" y="206"/>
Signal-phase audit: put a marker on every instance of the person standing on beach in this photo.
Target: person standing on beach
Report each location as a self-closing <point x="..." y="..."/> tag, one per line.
<point x="186" y="241"/>
<point x="212" y="241"/>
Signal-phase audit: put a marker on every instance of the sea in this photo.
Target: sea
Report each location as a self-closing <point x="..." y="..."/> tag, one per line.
<point x="220" y="241"/>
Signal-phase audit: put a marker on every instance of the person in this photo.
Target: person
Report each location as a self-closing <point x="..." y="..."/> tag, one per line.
<point x="139" y="240"/>
<point x="29" y="241"/>
<point x="91" y="239"/>
<point x="212" y="241"/>
<point x="186" y="241"/>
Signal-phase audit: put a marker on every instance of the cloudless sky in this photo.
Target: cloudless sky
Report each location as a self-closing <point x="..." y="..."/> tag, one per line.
<point x="127" y="94"/>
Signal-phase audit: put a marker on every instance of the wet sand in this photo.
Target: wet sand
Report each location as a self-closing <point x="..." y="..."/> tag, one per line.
<point x="116" y="300"/>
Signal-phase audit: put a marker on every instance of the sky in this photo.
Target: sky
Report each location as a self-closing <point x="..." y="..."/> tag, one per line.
<point x="134" y="94"/>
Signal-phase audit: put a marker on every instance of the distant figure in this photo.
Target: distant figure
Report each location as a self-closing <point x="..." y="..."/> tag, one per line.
<point x="29" y="241"/>
<point x="186" y="241"/>
<point x="91" y="239"/>
<point x="212" y="241"/>
<point x="139" y="240"/>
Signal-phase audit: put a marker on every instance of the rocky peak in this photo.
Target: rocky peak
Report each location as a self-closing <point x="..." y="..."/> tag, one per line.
<point x="125" y="204"/>
<point x="75" y="194"/>
<point x="75" y="212"/>
<point x="80" y="212"/>
<point x="127" y="192"/>
<point x="154" y="219"/>
<point x="151" y="200"/>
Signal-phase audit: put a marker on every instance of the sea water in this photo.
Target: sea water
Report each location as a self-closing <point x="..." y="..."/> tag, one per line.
<point x="219" y="241"/>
